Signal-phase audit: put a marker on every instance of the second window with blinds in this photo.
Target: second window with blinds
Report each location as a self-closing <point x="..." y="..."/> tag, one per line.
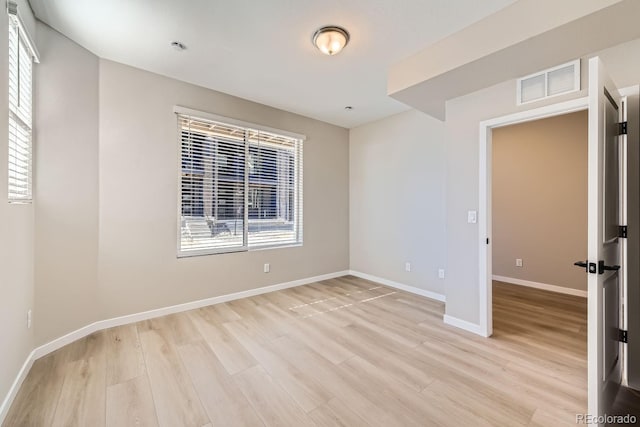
<point x="240" y="186"/>
<point x="19" y="139"/>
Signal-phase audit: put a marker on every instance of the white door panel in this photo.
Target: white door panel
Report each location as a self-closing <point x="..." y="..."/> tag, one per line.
<point x="606" y="262"/>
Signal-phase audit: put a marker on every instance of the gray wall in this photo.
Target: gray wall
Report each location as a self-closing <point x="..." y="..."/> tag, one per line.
<point x="119" y="257"/>
<point x="539" y="200"/>
<point x="107" y="192"/>
<point x="66" y="234"/>
<point x="138" y="176"/>
<point x="396" y="168"/>
<point x="464" y="115"/>
<point x="16" y="243"/>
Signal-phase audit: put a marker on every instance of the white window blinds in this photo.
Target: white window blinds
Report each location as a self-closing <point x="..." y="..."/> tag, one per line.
<point x="240" y="188"/>
<point x="21" y="56"/>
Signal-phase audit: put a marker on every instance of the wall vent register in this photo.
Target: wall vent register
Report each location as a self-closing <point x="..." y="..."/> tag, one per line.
<point x="548" y="83"/>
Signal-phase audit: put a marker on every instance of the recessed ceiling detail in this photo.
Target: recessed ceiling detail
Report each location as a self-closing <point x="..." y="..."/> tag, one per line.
<point x="449" y="68"/>
<point x="261" y="50"/>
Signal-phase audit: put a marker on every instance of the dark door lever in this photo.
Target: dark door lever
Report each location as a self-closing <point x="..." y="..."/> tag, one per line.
<point x="589" y="267"/>
<point x="602" y="268"/>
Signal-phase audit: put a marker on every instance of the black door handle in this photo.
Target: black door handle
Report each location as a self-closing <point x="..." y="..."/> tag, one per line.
<point x="589" y="267"/>
<point x="602" y="268"/>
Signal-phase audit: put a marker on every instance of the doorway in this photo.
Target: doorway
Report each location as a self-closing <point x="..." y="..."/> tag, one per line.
<point x="485" y="183"/>
<point x="607" y="133"/>
<point x="539" y="223"/>
<point x="539" y="203"/>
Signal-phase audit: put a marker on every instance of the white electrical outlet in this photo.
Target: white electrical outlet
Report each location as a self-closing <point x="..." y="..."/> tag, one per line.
<point x="441" y="273"/>
<point x="29" y="318"/>
<point x="407" y="266"/>
<point x="518" y="262"/>
<point x="267" y="268"/>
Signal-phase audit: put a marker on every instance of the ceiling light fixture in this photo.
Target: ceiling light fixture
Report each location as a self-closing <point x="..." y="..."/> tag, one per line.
<point x="330" y="39"/>
<point x="178" y="46"/>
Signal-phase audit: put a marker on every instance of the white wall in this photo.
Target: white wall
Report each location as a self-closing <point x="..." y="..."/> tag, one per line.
<point x="16" y="245"/>
<point x="397" y="209"/>
<point x="66" y="185"/>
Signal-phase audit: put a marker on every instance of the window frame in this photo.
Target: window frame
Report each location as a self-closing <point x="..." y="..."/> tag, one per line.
<point x="25" y="41"/>
<point x="299" y="189"/>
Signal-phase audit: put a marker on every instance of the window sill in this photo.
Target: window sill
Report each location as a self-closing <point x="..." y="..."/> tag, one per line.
<point x="236" y="250"/>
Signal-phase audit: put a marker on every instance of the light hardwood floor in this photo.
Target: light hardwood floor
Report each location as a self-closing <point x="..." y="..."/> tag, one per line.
<point x="343" y="352"/>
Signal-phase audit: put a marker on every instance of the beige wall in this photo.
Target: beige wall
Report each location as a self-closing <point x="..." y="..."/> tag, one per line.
<point x="16" y="247"/>
<point x="106" y="183"/>
<point x="66" y="183"/>
<point x="106" y="209"/>
<point x="107" y="216"/>
<point x="396" y="168"/>
<point x="539" y="191"/>
<point x="131" y="226"/>
<point x="138" y="187"/>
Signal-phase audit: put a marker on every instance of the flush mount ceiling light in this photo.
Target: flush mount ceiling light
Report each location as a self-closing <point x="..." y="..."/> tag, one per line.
<point x="330" y="39"/>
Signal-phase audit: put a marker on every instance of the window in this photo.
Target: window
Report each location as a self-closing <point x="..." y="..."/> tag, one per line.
<point x="21" y="56"/>
<point x="240" y="186"/>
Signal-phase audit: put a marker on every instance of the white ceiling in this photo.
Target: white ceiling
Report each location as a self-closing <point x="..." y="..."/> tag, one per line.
<point x="261" y="49"/>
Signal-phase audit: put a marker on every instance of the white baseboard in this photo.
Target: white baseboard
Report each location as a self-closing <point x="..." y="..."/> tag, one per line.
<point x="401" y="286"/>
<point x="57" y="343"/>
<point x="150" y="314"/>
<point x="17" y="383"/>
<point x="543" y="286"/>
<point x="453" y="321"/>
<point x="463" y="324"/>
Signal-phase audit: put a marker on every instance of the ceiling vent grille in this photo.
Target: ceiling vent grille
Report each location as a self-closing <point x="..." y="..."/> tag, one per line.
<point x="554" y="81"/>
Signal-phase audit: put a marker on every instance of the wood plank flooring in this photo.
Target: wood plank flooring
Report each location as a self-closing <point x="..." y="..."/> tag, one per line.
<point x="342" y="352"/>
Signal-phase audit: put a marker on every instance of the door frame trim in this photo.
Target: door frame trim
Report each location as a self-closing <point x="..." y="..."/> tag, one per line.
<point x="484" y="208"/>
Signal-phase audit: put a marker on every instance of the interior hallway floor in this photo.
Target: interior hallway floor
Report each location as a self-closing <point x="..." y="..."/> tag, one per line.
<point x="339" y="352"/>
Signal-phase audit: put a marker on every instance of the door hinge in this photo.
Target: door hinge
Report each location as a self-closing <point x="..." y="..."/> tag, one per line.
<point x="622" y="336"/>
<point x="622" y="231"/>
<point x="622" y="128"/>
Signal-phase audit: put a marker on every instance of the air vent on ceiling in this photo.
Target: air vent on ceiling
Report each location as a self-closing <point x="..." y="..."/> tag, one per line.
<point x="554" y="81"/>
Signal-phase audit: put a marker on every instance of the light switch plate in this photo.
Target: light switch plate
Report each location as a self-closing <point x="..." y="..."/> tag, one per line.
<point x="472" y="217"/>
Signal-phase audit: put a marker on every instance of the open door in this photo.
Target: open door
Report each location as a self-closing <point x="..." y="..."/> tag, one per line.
<point x="606" y="263"/>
